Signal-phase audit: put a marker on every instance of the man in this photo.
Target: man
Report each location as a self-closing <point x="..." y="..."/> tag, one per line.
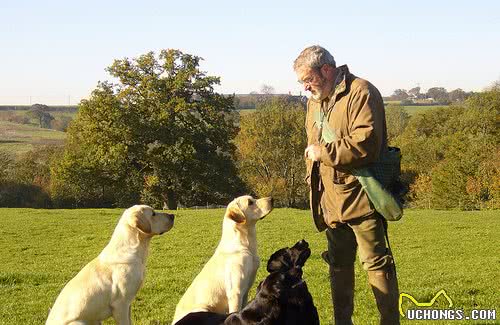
<point x="346" y="130"/>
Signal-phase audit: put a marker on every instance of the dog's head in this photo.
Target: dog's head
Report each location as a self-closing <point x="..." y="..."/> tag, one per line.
<point x="287" y="259"/>
<point x="247" y="210"/>
<point x="148" y="221"/>
<point x="285" y="289"/>
<point x="273" y="286"/>
<point x="279" y="285"/>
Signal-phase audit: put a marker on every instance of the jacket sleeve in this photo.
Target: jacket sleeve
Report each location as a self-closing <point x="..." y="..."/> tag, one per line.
<point x="365" y="125"/>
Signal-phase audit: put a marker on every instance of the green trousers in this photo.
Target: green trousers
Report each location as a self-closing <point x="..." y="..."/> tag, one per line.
<point x="366" y="234"/>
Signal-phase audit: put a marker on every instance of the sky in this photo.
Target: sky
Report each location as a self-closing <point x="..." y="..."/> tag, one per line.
<point x="55" y="52"/>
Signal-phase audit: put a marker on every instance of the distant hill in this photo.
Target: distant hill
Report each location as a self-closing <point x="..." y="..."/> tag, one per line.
<point x="55" y="108"/>
<point x="251" y="101"/>
<point x="19" y="138"/>
<point x="242" y="101"/>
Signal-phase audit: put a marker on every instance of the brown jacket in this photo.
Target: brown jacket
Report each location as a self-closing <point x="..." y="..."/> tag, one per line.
<point x="355" y="129"/>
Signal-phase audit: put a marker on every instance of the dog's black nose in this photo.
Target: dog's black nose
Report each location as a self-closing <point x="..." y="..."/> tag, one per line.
<point x="272" y="201"/>
<point x="301" y="244"/>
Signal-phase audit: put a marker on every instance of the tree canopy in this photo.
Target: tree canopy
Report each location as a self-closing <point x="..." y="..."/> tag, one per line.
<point x="271" y="147"/>
<point x="453" y="154"/>
<point x="159" y="133"/>
<point x="40" y="113"/>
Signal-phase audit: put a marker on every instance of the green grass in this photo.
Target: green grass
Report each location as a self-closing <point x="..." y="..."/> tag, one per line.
<point x="19" y="138"/>
<point x="40" y="250"/>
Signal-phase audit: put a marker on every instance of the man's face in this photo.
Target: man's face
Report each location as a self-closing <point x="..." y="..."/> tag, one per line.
<point x="314" y="81"/>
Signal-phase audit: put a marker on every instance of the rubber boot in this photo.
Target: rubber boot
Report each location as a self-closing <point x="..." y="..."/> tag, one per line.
<point x="342" y="287"/>
<point x="384" y="285"/>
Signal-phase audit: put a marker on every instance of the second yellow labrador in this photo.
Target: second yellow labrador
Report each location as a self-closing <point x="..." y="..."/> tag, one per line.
<point x="222" y="285"/>
<point x="108" y="284"/>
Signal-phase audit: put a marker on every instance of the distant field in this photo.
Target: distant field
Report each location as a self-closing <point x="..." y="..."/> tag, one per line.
<point x="246" y="111"/>
<point x="393" y="102"/>
<point x="412" y="110"/>
<point x="19" y="138"/>
<point x="40" y="250"/>
<point x="56" y="114"/>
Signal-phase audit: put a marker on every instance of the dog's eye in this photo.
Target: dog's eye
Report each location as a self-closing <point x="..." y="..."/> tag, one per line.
<point x="250" y="202"/>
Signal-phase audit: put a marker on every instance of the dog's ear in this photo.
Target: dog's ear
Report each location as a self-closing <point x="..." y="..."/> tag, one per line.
<point x="273" y="285"/>
<point x="234" y="213"/>
<point x="259" y="287"/>
<point x="140" y="221"/>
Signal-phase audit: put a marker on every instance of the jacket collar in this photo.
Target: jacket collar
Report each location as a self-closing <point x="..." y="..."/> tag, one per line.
<point x="340" y="85"/>
<point x="340" y="80"/>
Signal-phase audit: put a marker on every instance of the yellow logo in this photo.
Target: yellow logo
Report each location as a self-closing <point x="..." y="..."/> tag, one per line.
<point x="422" y="304"/>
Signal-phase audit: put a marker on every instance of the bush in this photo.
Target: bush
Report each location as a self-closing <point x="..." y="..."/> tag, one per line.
<point x="17" y="195"/>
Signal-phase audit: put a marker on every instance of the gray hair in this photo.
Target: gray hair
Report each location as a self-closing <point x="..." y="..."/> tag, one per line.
<point x="313" y="57"/>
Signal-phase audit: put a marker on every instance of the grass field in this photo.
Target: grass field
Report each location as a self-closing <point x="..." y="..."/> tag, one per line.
<point x="55" y="114"/>
<point x="413" y="110"/>
<point x="19" y="138"/>
<point x="40" y="250"/>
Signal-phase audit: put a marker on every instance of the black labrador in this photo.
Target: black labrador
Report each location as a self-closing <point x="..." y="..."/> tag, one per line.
<point x="282" y="298"/>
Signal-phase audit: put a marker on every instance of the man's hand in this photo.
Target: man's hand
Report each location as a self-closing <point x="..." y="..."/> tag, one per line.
<point x="313" y="152"/>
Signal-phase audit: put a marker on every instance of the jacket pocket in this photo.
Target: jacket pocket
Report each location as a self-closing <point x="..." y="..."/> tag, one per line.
<point x="351" y="201"/>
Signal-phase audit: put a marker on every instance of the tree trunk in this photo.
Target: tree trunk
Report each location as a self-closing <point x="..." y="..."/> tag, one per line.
<point x="170" y="200"/>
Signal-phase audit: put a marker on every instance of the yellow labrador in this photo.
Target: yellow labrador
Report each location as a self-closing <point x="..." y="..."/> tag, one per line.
<point x="222" y="285"/>
<point x="107" y="285"/>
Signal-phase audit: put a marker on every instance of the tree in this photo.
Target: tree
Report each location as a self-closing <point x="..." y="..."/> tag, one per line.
<point x="439" y="94"/>
<point x="457" y="95"/>
<point x="6" y="163"/>
<point x="462" y="178"/>
<point x="495" y="86"/>
<point x="454" y="153"/>
<point x="421" y="192"/>
<point x="415" y="92"/>
<point x="61" y="124"/>
<point x="271" y="146"/>
<point x="397" y="119"/>
<point x="40" y="107"/>
<point x="399" y="94"/>
<point x="28" y="180"/>
<point x="39" y="112"/>
<point x="33" y="167"/>
<point x="160" y="132"/>
<point x="267" y="89"/>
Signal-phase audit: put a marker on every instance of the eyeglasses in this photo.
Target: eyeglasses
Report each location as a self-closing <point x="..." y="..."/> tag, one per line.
<point x="310" y="78"/>
<point x="306" y="81"/>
